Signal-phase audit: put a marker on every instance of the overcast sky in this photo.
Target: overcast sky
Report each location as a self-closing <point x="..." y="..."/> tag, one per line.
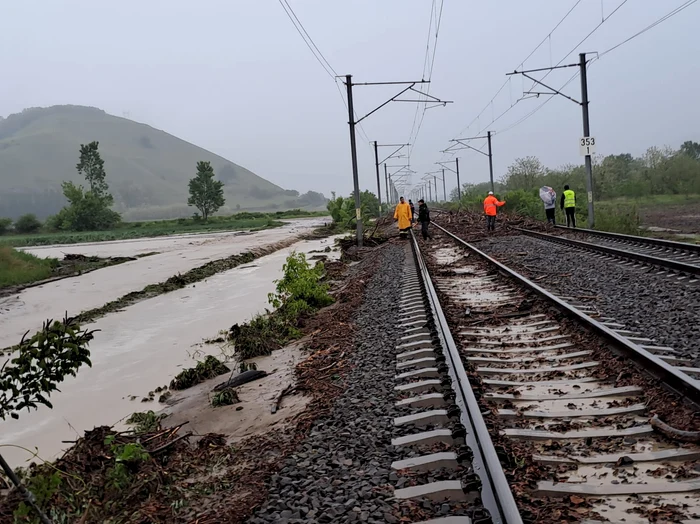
<point x="235" y="77"/>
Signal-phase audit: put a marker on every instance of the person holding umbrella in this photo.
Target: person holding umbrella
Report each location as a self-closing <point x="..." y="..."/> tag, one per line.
<point x="549" y="198"/>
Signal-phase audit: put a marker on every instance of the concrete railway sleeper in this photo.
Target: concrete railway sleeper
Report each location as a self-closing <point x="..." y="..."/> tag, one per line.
<point x="546" y="392"/>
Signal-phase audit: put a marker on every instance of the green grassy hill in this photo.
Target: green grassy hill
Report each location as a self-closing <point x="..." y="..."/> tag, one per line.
<point x="147" y="169"/>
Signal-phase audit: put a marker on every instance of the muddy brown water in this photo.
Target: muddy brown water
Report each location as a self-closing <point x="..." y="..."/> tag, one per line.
<point x="27" y="310"/>
<point x="143" y="347"/>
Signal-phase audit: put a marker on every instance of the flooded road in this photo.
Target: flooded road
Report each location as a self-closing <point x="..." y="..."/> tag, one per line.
<point x="27" y="310"/>
<point x="143" y="347"/>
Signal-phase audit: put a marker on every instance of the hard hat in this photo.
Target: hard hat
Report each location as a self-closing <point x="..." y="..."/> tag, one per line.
<point x="490" y="192"/>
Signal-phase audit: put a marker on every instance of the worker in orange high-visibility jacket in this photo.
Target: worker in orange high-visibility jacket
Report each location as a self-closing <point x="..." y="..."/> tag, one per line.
<point x="404" y="216"/>
<point x="491" y="204"/>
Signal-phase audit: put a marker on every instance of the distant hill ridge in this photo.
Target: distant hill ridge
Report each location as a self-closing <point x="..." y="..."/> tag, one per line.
<point x="147" y="169"/>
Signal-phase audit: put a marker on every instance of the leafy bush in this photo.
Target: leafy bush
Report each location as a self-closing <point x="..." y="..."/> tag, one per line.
<point x="208" y="368"/>
<point x="127" y="458"/>
<point x="43" y="487"/>
<point x="342" y="210"/>
<point x="47" y="358"/>
<point x="225" y="397"/>
<point x="145" y="422"/>
<point x="28" y="223"/>
<point x="616" y="217"/>
<point x="524" y="202"/>
<point x="5" y="224"/>
<point x="300" y="283"/>
<point x="299" y="292"/>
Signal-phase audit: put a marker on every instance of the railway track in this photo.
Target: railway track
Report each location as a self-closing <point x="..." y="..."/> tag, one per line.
<point x="513" y="384"/>
<point x="677" y="257"/>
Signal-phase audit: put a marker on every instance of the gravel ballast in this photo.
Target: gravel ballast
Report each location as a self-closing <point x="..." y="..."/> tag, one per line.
<point x="658" y="306"/>
<point x="340" y="473"/>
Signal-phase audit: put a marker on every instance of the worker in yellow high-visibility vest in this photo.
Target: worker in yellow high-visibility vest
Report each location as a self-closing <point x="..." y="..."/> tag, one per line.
<point x="568" y="205"/>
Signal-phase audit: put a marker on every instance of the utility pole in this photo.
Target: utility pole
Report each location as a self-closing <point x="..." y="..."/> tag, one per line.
<point x="353" y="153"/>
<point x="353" y="123"/>
<point x="488" y="137"/>
<point x="581" y="64"/>
<point x="379" y="185"/>
<point x="386" y="186"/>
<point x="462" y="142"/>
<point x="456" y="171"/>
<point x="459" y="188"/>
<point x="444" y="190"/>
<point x="587" y="133"/>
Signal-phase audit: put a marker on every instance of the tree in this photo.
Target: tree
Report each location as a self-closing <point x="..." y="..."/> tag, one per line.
<point x="28" y="223"/>
<point x="691" y="149"/>
<point x="524" y="173"/>
<point x="92" y="166"/>
<point x="87" y="210"/>
<point x="206" y="194"/>
<point x="5" y="224"/>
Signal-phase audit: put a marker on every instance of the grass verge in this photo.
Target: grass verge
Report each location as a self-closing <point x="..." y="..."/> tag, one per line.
<point x="157" y="228"/>
<point x="18" y="268"/>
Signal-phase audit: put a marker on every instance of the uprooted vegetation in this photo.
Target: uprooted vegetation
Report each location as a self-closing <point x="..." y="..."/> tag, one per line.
<point x="299" y="293"/>
<point x="205" y="369"/>
<point x="169" y="476"/>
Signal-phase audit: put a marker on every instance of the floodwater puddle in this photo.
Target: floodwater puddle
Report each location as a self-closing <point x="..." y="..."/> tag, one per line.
<point x="26" y="311"/>
<point x="142" y="347"/>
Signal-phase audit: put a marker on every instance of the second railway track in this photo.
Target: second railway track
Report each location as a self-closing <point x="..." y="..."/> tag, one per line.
<point x="545" y="407"/>
<point x="678" y="257"/>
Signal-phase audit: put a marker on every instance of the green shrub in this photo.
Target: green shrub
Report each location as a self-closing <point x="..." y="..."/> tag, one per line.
<point x="145" y="422"/>
<point x="208" y="368"/>
<point x="225" y="397"/>
<point x="524" y="202"/>
<point x="616" y="217"/>
<point x="300" y="283"/>
<point x="299" y="292"/>
<point x="28" y="223"/>
<point x="5" y="224"/>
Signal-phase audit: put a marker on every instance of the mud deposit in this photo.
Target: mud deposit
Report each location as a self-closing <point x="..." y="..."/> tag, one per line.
<point x="143" y="347"/>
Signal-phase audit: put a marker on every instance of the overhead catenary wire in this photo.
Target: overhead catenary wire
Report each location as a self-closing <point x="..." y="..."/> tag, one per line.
<point x="668" y="15"/>
<point x="521" y="63"/>
<point x="536" y="109"/>
<point x="651" y="26"/>
<point x="318" y="55"/>
<point x="437" y="16"/>
<point x="307" y="39"/>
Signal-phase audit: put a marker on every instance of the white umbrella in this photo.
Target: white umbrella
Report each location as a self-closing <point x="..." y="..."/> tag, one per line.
<point x="547" y="194"/>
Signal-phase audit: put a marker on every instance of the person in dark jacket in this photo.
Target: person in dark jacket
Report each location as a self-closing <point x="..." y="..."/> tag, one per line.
<point x="413" y="211"/>
<point x="424" y="219"/>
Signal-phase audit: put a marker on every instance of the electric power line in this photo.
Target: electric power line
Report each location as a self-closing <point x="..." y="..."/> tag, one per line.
<point x="528" y="115"/>
<point x="651" y="26"/>
<point x="549" y="35"/>
<point x="438" y="21"/>
<point x="300" y="29"/>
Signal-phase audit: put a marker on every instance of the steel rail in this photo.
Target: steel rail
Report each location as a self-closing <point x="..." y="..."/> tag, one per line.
<point x="658" y="242"/>
<point x="668" y="374"/>
<point x="496" y="495"/>
<point x="647" y="259"/>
